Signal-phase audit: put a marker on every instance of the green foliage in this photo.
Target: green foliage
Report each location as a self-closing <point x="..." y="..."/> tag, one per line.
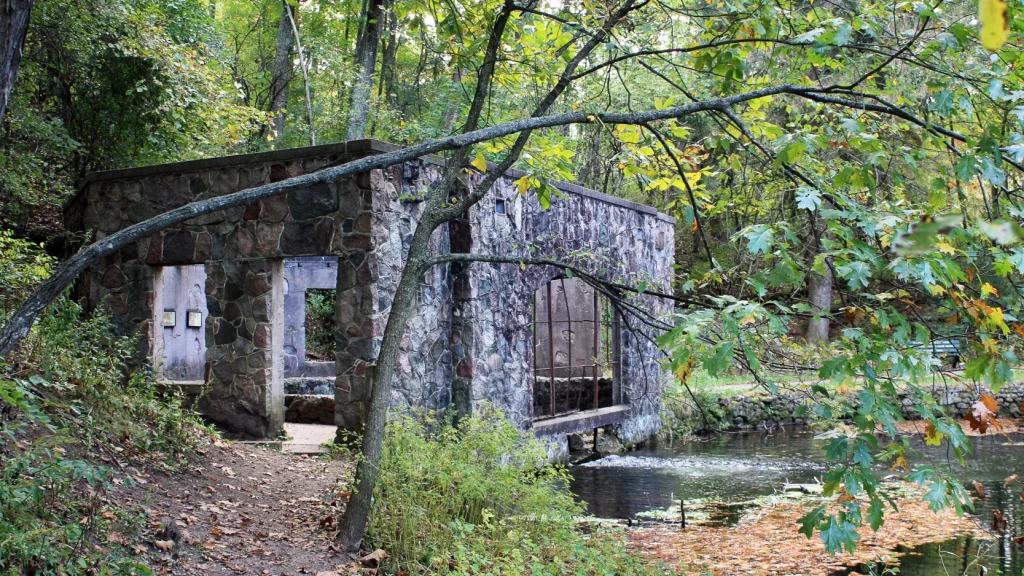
<point x="480" y="498"/>
<point x="67" y="400"/>
<point x="108" y="85"/>
<point x="320" y="324"/>
<point x="22" y="266"/>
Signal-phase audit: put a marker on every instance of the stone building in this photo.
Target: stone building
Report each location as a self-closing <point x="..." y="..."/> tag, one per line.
<point x="219" y="302"/>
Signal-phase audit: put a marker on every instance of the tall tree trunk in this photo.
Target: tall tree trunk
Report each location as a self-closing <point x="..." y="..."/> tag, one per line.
<point x="367" y="46"/>
<point x="14" y="17"/>
<point x="305" y="75"/>
<point x="819" y="292"/>
<point x="282" y="68"/>
<point x="819" y="287"/>
<point x="387" y="63"/>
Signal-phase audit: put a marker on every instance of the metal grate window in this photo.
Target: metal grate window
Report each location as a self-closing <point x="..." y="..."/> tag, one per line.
<point x="576" y="350"/>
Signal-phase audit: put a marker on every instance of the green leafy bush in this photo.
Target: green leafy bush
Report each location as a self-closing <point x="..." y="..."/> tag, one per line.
<point x="479" y="497"/>
<point x="320" y="324"/>
<point x="23" y="264"/>
<point x="69" y="401"/>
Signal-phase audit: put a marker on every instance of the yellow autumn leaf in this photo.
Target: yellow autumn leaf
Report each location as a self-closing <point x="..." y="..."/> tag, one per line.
<point x="994" y="27"/>
<point x="523" y="184"/>
<point x="629" y="135"/>
<point x="987" y="289"/>
<point x="990" y="346"/>
<point x="932" y="436"/>
<point x="480" y="163"/>
<point x="936" y="290"/>
<point x="748" y="319"/>
<point x="945" y="247"/>
<point x="995" y="317"/>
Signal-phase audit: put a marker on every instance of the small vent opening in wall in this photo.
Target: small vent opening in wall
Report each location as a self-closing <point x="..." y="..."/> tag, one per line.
<point x="499" y="206"/>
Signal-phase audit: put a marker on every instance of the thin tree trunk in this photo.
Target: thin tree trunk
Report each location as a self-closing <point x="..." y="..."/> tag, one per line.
<point x="367" y="46"/>
<point x="387" y="64"/>
<point x="819" y="287"/>
<point x="819" y="292"/>
<point x="282" y="74"/>
<point x="14" y="18"/>
<point x="305" y="76"/>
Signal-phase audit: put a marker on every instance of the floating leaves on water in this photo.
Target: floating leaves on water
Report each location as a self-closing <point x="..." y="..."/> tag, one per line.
<point x="980" y="489"/>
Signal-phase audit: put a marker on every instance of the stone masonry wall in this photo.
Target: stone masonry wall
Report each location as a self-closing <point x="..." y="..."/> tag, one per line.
<point x="471" y="340"/>
<point x="236" y="244"/>
<point x="491" y="333"/>
<point x="763" y="410"/>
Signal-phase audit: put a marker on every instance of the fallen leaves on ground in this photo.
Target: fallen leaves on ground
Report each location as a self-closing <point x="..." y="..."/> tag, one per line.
<point x="765" y="541"/>
<point x="992" y="427"/>
<point x="240" y="510"/>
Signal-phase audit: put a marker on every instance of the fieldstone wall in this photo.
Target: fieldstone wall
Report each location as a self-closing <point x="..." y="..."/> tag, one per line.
<point x="491" y="334"/>
<point x="244" y="334"/>
<point x="309" y="409"/>
<point x="240" y="247"/>
<point x="766" y="411"/>
<point x="471" y="339"/>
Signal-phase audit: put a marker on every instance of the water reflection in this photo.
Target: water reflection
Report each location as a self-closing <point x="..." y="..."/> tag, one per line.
<point x="737" y="467"/>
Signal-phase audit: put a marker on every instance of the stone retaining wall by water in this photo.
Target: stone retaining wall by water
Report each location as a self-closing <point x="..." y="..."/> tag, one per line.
<point x="762" y="410"/>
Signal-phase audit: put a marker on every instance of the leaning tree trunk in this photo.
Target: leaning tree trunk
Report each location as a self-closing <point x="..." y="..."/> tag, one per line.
<point x="367" y="47"/>
<point x="14" y="17"/>
<point x="282" y="74"/>
<point x="357" y="512"/>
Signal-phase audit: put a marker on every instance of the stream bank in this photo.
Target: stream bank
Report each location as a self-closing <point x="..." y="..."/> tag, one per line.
<point x="760" y="410"/>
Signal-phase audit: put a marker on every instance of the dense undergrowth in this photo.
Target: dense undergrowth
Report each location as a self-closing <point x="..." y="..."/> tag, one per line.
<point x="479" y="497"/>
<point x="74" y="422"/>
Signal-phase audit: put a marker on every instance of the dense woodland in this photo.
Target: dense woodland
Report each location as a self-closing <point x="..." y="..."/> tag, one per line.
<point x="846" y="178"/>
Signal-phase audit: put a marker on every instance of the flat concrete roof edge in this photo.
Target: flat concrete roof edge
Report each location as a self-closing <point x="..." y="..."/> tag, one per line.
<point x="366" y="146"/>
<point x="351" y="147"/>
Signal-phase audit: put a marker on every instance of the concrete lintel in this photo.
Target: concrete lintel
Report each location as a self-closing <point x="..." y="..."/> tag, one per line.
<point x="580" y="421"/>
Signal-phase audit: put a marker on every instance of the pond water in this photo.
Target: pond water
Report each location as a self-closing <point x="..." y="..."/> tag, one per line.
<point x="737" y="467"/>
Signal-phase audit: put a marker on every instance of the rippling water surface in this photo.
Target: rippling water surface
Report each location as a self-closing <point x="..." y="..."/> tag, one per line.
<point x="737" y="467"/>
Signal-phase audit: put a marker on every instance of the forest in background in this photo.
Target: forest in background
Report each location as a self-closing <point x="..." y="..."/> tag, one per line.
<point x="843" y="172"/>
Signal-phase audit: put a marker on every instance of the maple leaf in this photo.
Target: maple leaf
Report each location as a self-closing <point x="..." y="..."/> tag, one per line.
<point x="983" y="413"/>
<point x="932" y="436"/>
<point x="998" y="521"/>
<point x="980" y="489"/>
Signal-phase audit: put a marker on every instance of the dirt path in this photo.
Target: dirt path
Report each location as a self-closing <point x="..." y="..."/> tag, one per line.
<point x="241" y="510"/>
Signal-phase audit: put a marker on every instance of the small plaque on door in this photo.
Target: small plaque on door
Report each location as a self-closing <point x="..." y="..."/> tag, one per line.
<point x="170" y="318"/>
<point x="195" y="319"/>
